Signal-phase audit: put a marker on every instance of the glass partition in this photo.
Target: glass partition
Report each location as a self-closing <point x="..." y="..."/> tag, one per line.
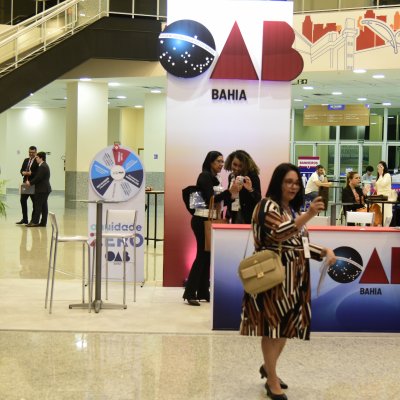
<point x="372" y="154"/>
<point x="375" y="131"/>
<point x="302" y="150"/>
<point x="320" y="4"/>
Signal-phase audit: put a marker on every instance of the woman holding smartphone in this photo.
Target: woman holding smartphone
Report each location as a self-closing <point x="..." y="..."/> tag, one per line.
<point x="245" y="174"/>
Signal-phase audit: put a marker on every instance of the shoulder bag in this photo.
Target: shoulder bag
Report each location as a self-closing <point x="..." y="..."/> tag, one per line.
<point x="213" y="218"/>
<point x="261" y="271"/>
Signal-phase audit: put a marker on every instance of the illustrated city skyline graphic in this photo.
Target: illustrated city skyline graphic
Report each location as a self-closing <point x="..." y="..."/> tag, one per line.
<point x="373" y="30"/>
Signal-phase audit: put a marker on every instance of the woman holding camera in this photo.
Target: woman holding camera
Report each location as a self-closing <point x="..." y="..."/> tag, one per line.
<point x="244" y="173"/>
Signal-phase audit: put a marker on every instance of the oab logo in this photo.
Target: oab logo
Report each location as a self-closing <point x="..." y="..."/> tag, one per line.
<point x="349" y="266"/>
<point x="187" y="49"/>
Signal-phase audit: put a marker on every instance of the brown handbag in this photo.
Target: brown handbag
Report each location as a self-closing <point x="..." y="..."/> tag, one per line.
<point x="211" y="220"/>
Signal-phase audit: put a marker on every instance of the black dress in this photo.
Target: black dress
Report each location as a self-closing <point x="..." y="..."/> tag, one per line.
<point x="348" y="197"/>
<point x="198" y="283"/>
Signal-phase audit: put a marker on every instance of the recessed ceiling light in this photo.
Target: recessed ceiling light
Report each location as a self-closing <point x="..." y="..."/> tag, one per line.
<point x="155" y="91"/>
<point x="391" y="117"/>
<point x="138" y="106"/>
<point x="308" y="87"/>
<point x="387" y="104"/>
<point x="362" y="99"/>
<point x="359" y="71"/>
<point x="324" y="104"/>
<point x="114" y="84"/>
<point x="121" y="97"/>
<point x="297" y="100"/>
<point x="373" y="123"/>
<point x="337" y="93"/>
<point x="85" y="79"/>
<point x="378" y="76"/>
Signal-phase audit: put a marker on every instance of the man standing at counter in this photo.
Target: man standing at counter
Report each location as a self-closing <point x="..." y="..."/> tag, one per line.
<point x="317" y="179"/>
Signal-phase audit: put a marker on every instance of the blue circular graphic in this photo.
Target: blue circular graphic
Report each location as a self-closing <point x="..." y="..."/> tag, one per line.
<point x="116" y="173"/>
<point x="186" y="48"/>
<point x="348" y="266"/>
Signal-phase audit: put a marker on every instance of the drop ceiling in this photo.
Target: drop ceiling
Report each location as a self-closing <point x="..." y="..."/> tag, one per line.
<point x="352" y="86"/>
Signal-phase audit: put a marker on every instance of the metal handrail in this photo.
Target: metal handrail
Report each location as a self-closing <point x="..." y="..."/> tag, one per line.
<point x="33" y="36"/>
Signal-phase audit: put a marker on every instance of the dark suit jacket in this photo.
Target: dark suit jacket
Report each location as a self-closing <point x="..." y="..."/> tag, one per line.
<point x="42" y="179"/>
<point x="348" y="197"/>
<point x="24" y="167"/>
<point x="248" y="200"/>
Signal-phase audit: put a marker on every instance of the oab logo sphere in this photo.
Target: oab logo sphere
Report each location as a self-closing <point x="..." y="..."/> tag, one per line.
<point x="186" y="48"/>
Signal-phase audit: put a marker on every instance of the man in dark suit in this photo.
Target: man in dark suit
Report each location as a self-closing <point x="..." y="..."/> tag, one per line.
<point x="28" y="171"/>
<point x="42" y="191"/>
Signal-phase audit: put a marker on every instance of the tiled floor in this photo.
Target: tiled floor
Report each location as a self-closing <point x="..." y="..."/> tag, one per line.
<point x="158" y="348"/>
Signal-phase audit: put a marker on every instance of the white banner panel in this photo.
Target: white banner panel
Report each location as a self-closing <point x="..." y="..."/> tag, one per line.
<point x="117" y="174"/>
<point x="206" y="114"/>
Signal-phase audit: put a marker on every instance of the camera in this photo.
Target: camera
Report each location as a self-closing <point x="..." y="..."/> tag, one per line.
<point x="240" y="179"/>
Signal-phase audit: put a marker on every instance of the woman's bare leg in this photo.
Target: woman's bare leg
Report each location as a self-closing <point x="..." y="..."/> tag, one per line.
<point x="272" y="349"/>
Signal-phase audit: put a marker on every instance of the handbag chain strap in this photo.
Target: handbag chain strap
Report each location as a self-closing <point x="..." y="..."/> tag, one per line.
<point x="279" y="247"/>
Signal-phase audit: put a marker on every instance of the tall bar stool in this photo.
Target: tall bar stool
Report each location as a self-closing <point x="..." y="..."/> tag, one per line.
<point x="55" y="239"/>
<point x="122" y="217"/>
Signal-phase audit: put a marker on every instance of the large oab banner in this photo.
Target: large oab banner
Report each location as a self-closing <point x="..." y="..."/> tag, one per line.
<point x="230" y="65"/>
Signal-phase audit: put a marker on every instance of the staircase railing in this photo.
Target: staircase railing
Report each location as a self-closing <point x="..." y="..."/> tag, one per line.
<point x="23" y="41"/>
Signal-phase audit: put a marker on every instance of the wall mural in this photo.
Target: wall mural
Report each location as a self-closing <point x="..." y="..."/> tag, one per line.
<point x="344" y="41"/>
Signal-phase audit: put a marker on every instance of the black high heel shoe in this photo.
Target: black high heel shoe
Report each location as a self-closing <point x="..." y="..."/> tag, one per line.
<point x="192" y="302"/>
<point x="263" y="373"/>
<point x="204" y="297"/>
<point x="274" y="396"/>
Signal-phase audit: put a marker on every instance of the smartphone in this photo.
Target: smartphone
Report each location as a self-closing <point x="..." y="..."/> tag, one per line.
<point x="323" y="192"/>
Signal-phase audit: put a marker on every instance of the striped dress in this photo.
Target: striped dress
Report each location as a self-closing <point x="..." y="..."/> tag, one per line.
<point x="285" y="310"/>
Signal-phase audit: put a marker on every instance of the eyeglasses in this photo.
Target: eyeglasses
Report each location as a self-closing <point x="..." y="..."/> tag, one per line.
<point x="290" y="183"/>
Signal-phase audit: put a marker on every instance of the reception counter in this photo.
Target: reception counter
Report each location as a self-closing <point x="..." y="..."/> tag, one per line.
<point x="360" y="293"/>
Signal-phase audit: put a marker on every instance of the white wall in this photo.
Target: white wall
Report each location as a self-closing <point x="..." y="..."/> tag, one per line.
<point x="154" y="133"/>
<point x="43" y="128"/>
<point x="3" y="144"/>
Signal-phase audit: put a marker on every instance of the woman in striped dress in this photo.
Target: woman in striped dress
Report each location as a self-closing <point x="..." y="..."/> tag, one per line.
<point x="283" y="311"/>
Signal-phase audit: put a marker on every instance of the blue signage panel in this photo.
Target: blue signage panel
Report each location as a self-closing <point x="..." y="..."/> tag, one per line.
<point x="360" y="293"/>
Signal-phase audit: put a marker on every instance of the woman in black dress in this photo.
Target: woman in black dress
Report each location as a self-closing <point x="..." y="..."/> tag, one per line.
<point x="244" y="171"/>
<point x="352" y="193"/>
<point x="285" y="310"/>
<point x="198" y="283"/>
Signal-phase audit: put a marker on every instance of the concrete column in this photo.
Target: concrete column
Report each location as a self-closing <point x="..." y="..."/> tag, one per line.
<point x="86" y="134"/>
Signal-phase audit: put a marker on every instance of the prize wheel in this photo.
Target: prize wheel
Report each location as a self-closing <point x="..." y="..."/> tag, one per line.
<point x="116" y="174"/>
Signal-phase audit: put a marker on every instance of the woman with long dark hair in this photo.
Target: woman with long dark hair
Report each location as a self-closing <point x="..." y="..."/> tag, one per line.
<point x="284" y="311"/>
<point x="383" y="187"/>
<point x="244" y="172"/>
<point x="198" y="283"/>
